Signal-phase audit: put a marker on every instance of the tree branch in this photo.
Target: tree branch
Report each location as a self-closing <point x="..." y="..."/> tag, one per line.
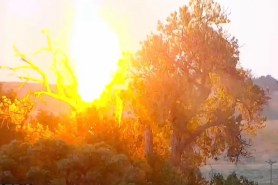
<point x="35" y="67"/>
<point x="200" y="131"/>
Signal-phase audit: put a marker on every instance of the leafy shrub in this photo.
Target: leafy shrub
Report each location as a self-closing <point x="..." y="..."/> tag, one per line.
<point x="55" y="162"/>
<point x="232" y="179"/>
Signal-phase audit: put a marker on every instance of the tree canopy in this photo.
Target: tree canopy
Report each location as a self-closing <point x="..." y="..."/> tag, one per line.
<point x="187" y="77"/>
<point x="65" y="164"/>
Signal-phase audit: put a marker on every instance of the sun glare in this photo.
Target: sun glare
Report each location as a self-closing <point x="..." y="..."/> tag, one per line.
<point x="95" y="49"/>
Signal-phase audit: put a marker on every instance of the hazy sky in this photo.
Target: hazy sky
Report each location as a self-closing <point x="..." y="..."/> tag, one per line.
<point x="254" y="23"/>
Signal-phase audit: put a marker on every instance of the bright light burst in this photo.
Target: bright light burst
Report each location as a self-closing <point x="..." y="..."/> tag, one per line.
<point x="95" y="50"/>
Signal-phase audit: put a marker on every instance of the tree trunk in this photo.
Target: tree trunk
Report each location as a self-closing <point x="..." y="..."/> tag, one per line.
<point x="175" y="150"/>
<point x="148" y="142"/>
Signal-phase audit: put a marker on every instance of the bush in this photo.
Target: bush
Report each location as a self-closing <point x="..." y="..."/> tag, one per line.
<point x="55" y="162"/>
<point x="232" y="179"/>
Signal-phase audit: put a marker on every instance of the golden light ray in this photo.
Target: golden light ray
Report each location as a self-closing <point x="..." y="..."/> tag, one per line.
<point x="95" y="49"/>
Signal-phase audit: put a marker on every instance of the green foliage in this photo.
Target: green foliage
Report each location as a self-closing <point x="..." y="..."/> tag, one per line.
<point x="167" y="175"/>
<point x="55" y="162"/>
<point x="232" y="179"/>
<point x="163" y="173"/>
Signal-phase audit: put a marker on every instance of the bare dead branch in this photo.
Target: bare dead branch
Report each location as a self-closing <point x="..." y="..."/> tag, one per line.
<point x="34" y="67"/>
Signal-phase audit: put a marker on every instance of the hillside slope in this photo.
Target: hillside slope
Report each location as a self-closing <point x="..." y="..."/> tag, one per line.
<point x="270" y="85"/>
<point x="267" y="82"/>
<point x="46" y="103"/>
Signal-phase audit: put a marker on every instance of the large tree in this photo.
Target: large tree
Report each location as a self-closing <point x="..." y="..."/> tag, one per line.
<point x="186" y="77"/>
